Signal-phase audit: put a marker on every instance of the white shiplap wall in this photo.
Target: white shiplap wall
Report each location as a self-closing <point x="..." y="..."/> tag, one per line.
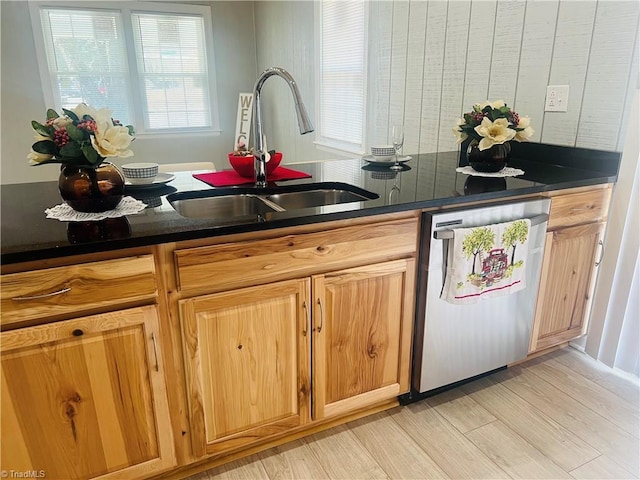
<point x="511" y="50"/>
<point x="604" y="91"/>
<point x="432" y="77"/>
<point x="379" y="68"/>
<point x="535" y="60"/>
<point x="570" y="57"/>
<point x="285" y="37"/>
<point x="430" y="61"/>
<point x="479" y="52"/>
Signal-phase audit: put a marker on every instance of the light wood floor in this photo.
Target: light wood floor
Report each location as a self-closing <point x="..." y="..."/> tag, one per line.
<point x="562" y="415"/>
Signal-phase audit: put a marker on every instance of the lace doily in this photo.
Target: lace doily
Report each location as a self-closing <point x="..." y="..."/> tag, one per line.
<point x="64" y="213"/>
<point x="505" y="172"/>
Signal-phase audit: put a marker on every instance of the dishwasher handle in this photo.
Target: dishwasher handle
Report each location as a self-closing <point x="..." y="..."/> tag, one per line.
<point x="448" y="234"/>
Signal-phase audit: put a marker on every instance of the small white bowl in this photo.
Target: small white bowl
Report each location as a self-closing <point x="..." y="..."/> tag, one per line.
<point x="140" y="173"/>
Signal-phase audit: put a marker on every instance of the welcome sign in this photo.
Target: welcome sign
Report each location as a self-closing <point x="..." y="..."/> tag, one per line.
<point x="243" y="121"/>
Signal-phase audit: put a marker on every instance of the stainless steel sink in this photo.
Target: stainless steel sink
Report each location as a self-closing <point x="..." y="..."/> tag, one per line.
<point x="223" y="207"/>
<point x="236" y="205"/>
<point x="314" y="198"/>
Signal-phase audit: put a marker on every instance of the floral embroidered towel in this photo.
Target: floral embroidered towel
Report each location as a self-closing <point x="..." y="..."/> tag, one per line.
<point x="487" y="261"/>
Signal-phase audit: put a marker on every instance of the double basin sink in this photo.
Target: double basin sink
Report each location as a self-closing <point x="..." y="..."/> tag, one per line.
<point x="232" y="205"/>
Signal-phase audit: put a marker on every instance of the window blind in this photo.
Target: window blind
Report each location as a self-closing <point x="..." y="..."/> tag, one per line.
<point x="172" y="67"/>
<point x="150" y="63"/>
<point x="87" y="59"/>
<point x="342" y="74"/>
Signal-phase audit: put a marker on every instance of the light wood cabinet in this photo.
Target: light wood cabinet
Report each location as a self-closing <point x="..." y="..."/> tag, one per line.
<point x="362" y="332"/>
<point x="579" y="208"/>
<point x="572" y="248"/>
<point x="569" y="271"/>
<point x="294" y="255"/>
<point x="247" y="364"/>
<point x="249" y="351"/>
<point x="84" y="391"/>
<point x="85" y="398"/>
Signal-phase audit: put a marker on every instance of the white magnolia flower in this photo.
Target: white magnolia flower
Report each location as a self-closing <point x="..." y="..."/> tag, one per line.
<point x="461" y="136"/>
<point x="111" y="140"/>
<point x="61" y="123"/>
<point x="494" y="133"/>
<point x="39" y="137"/>
<point x="102" y="115"/>
<point x="525" y="134"/>
<point x="497" y="104"/>
<point x="35" y="158"/>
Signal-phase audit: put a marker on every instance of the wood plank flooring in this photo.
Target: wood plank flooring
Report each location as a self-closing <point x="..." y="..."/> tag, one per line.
<point x="562" y="415"/>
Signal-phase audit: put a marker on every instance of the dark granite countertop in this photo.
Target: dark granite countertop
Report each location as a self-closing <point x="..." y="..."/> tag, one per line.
<point x="428" y="180"/>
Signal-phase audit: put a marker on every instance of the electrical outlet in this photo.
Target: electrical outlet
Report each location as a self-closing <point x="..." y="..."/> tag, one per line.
<point x="557" y="98"/>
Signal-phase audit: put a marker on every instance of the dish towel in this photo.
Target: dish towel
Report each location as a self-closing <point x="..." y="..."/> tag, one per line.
<point x="487" y="261"/>
<point x="227" y="178"/>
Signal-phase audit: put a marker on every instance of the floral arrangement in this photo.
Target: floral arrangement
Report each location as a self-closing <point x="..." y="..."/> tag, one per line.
<point x="83" y="137"/>
<point x="492" y="123"/>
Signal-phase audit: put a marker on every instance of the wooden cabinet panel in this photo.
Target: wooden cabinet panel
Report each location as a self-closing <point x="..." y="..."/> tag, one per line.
<point x="51" y="292"/>
<point x="226" y="266"/>
<point x="576" y="223"/>
<point x="85" y="398"/>
<point x="247" y="363"/>
<point x="362" y="334"/>
<point x="249" y="352"/>
<point x="566" y="288"/>
<point x="576" y="208"/>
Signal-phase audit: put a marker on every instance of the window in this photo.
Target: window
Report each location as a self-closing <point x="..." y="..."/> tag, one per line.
<point x="151" y="64"/>
<point x="342" y="78"/>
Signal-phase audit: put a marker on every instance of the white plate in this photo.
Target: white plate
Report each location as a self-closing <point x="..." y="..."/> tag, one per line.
<point x="372" y="159"/>
<point x="160" y="180"/>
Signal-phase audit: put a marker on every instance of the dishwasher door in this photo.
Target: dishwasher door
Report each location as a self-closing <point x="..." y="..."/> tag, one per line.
<point x="457" y="342"/>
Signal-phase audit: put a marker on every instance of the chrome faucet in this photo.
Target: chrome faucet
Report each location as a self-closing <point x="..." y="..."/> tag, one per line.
<point x="304" y="123"/>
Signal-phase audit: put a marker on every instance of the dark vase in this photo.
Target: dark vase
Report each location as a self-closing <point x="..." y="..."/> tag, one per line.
<point x="87" y="189"/>
<point x="492" y="159"/>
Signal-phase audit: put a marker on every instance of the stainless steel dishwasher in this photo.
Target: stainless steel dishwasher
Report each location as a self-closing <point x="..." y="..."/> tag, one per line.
<point x="457" y="342"/>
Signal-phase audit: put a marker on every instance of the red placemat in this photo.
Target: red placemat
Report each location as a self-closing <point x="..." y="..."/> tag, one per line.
<point x="226" y="178"/>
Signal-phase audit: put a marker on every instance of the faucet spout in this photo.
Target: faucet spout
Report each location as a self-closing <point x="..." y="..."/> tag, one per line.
<point x="304" y="122"/>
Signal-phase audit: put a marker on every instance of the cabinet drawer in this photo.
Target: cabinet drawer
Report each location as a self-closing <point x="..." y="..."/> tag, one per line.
<point x="577" y="208"/>
<point x="232" y="265"/>
<point x="55" y="292"/>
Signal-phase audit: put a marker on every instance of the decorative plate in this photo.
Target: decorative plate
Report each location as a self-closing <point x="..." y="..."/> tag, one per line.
<point x="160" y="180"/>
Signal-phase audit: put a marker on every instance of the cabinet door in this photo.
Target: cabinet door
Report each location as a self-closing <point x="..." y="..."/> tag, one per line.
<point x="247" y="363"/>
<point x="566" y="286"/>
<point x="363" y="321"/>
<point x="85" y="398"/>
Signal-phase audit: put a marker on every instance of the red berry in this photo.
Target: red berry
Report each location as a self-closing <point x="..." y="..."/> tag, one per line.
<point x="61" y="138"/>
<point x="88" y="125"/>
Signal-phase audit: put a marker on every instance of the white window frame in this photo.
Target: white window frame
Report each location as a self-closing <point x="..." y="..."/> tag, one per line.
<point x="126" y="9"/>
<point x="323" y="142"/>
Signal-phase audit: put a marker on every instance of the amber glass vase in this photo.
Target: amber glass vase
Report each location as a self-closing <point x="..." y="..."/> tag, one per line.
<point x="492" y="159"/>
<point x="87" y="189"/>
